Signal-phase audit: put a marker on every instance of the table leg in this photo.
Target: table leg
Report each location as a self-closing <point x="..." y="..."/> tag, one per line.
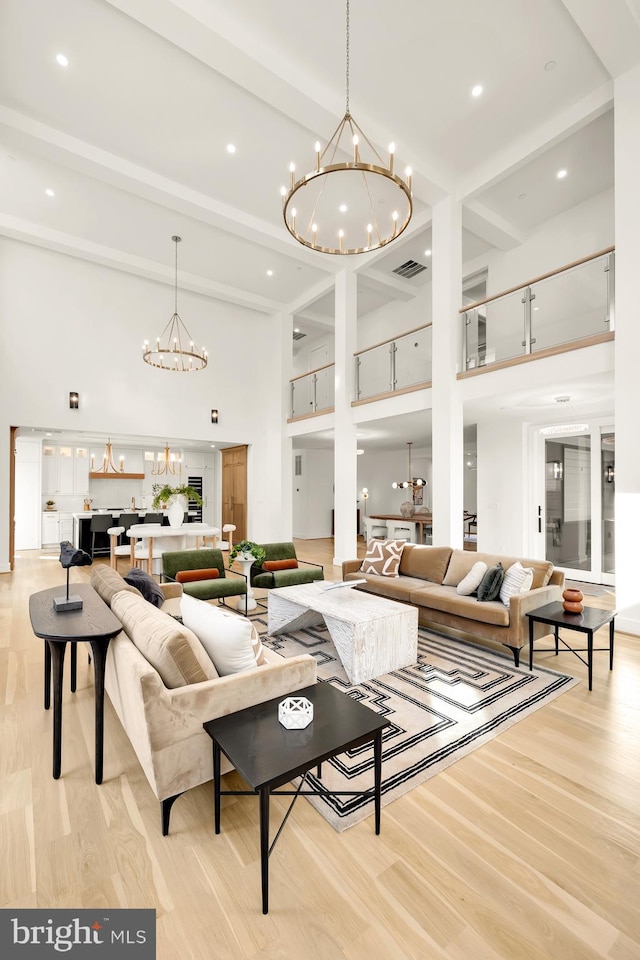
<point x="47" y="676"/>
<point x="555" y="633"/>
<point x="611" y="632"/>
<point x="99" y="648"/>
<point x="216" y="784"/>
<point x="590" y="655"/>
<point x="57" y="650"/>
<point x="377" y="766"/>
<point x="150" y="557"/>
<point x="74" y="667"/>
<point x="530" y="643"/>
<point x="264" y="846"/>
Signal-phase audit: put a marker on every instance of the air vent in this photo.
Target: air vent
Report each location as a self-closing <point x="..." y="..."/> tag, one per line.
<point x="410" y="268"/>
<point x="297" y="335"/>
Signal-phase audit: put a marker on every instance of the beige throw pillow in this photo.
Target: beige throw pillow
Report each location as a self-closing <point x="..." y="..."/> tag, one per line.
<point x="383" y="557"/>
<point x="517" y="579"/>
<point x="472" y="580"/>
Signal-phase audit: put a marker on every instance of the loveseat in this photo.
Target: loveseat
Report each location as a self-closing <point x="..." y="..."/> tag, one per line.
<point x="428" y="578"/>
<point x="163" y="714"/>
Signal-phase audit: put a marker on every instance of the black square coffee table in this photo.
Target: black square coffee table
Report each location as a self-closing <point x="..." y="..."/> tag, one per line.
<point x="590" y="620"/>
<point x="267" y="755"/>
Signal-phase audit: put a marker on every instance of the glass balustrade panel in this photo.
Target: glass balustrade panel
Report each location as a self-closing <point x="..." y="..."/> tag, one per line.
<point x="325" y="388"/>
<point x="496" y="331"/>
<point x="570" y="305"/>
<point x="608" y="471"/>
<point x="413" y="358"/>
<point x="374" y="372"/>
<point x="302" y="399"/>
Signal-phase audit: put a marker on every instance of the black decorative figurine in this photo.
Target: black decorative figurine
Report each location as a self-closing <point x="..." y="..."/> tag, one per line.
<point x="70" y="557"/>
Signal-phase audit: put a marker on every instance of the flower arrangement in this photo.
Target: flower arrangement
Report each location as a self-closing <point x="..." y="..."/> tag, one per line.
<point x="248" y="548"/>
<point x="165" y="493"/>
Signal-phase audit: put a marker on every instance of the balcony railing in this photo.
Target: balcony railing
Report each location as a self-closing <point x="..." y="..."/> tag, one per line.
<point x="562" y="309"/>
<point x="313" y="392"/>
<point x="394" y="366"/>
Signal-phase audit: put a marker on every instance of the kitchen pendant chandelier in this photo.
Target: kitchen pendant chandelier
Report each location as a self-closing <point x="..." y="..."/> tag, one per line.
<point x="167" y="463"/>
<point x="413" y="483"/>
<point x="347" y="206"/>
<point x="174" y="349"/>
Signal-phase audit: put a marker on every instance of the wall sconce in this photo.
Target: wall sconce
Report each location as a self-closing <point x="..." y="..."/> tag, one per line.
<point x="610" y="473"/>
<point x="74" y="400"/>
<point x="214" y="416"/>
<point x="557" y="470"/>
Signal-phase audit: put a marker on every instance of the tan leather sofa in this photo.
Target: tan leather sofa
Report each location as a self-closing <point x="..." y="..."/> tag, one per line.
<point x="163" y="720"/>
<point x="428" y="577"/>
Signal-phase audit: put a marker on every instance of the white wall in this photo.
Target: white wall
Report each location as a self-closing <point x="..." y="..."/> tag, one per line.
<point x="67" y="324"/>
<point x="502" y="490"/>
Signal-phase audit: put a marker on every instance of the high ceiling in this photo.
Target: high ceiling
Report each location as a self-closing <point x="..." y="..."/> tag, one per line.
<point x="131" y="136"/>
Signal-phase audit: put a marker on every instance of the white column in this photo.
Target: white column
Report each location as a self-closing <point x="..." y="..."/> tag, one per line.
<point x="627" y="348"/>
<point x="447" y="443"/>
<point x="345" y="444"/>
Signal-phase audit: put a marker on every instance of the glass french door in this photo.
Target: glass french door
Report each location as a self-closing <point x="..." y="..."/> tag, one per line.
<point x="576" y="518"/>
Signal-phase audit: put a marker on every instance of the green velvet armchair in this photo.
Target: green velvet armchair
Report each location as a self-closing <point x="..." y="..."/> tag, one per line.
<point x="197" y="563"/>
<point x="266" y="579"/>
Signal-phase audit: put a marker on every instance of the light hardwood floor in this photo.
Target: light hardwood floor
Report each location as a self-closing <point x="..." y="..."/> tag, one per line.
<point x="527" y="848"/>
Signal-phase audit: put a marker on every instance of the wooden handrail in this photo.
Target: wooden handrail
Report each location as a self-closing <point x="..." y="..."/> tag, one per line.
<point x="309" y="372"/>
<point x="543" y="276"/>
<point x="391" y="339"/>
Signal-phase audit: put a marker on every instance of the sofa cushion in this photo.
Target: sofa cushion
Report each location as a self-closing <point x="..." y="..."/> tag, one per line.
<point x="147" y="586"/>
<point x="427" y="563"/>
<point x="383" y="557"/>
<point x="395" y="588"/>
<point x="448" y="601"/>
<point x="107" y="582"/>
<point x="490" y="584"/>
<point x="462" y="561"/>
<point x="472" y="580"/>
<point x="517" y="579"/>
<point x="174" y="651"/>
<point x="227" y="637"/>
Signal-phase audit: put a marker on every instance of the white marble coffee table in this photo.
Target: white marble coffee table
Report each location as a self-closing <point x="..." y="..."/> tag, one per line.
<point x="372" y="635"/>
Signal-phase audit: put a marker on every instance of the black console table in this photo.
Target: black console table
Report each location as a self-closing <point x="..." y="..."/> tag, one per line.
<point x="94" y="623"/>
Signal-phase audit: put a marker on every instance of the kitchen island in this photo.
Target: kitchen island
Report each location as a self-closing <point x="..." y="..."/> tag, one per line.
<point x="82" y="523"/>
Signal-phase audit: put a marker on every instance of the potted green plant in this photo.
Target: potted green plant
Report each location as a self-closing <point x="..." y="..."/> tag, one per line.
<point x="247" y="550"/>
<point x="176" y="499"/>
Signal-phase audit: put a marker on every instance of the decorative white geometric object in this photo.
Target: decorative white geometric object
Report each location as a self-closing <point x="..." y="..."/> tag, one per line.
<point x="295" y="713"/>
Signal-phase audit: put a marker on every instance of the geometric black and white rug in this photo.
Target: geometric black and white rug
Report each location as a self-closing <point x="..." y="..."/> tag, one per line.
<point x="455" y="698"/>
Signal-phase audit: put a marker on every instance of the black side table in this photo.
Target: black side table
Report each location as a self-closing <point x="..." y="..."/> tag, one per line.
<point x="268" y="756"/>
<point x="94" y="623"/>
<point x="589" y="621"/>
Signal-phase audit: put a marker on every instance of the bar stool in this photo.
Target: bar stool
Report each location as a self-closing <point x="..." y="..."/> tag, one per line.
<point x="117" y="549"/>
<point x="100" y="523"/>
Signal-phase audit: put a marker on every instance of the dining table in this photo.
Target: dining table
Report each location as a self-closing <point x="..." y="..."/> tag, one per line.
<point x="165" y="537"/>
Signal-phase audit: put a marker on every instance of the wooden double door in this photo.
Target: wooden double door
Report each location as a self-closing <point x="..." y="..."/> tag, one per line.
<point x="234" y="489"/>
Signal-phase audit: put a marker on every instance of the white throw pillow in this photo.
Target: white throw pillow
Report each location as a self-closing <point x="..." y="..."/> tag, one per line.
<point x="517" y="579"/>
<point x="473" y="579"/>
<point x="227" y="637"/>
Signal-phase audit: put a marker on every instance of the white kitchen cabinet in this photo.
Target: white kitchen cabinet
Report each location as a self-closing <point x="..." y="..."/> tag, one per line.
<point x="65" y="470"/>
<point x="66" y="527"/>
<point x="50" y="527"/>
<point x="81" y="472"/>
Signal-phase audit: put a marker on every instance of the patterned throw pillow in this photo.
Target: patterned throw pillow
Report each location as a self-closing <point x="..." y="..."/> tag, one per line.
<point x="517" y="579"/>
<point x="383" y="557"/>
<point x="472" y="580"/>
<point x="490" y="584"/>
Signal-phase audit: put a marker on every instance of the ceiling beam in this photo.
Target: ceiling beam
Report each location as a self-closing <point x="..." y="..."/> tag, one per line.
<point x="490" y="226"/>
<point x="612" y="29"/>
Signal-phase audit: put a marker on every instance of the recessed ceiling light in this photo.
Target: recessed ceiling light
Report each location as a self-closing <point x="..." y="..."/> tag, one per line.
<point x="564" y="399"/>
<point x="536" y="308"/>
<point x="213" y="446"/>
<point x="549" y="65"/>
<point x="49" y="192"/>
<point x="522" y="196"/>
<point x="561" y="174"/>
<point x="343" y="208"/>
<point x="269" y="273"/>
<point x="296" y="329"/>
<point x="62" y="60"/>
<point x="359" y="451"/>
<point x="477" y="90"/>
<point x="427" y="253"/>
<point x="231" y="148"/>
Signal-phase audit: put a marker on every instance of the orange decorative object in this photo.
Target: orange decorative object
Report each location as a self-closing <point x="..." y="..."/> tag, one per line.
<point x="572" y="600"/>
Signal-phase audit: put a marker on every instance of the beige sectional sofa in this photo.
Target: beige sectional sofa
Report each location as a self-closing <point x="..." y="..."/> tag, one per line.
<point x="428" y="577"/>
<point x="163" y="717"/>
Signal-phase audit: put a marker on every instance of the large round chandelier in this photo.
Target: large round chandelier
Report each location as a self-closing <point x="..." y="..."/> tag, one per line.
<point x="174" y="349"/>
<point x="411" y="483"/>
<point x="345" y="206"/>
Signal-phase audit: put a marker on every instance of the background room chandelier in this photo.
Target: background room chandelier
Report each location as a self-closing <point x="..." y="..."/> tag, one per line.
<point x="168" y="463"/>
<point x="413" y="482"/>
<point x="347" y="206"/>
<point x="174" y="349"/>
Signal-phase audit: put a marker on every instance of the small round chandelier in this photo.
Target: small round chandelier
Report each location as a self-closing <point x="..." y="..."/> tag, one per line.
<point x="347" y="206"/>
<point x="174" y="349"/>
<point x="412" y="483"/>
